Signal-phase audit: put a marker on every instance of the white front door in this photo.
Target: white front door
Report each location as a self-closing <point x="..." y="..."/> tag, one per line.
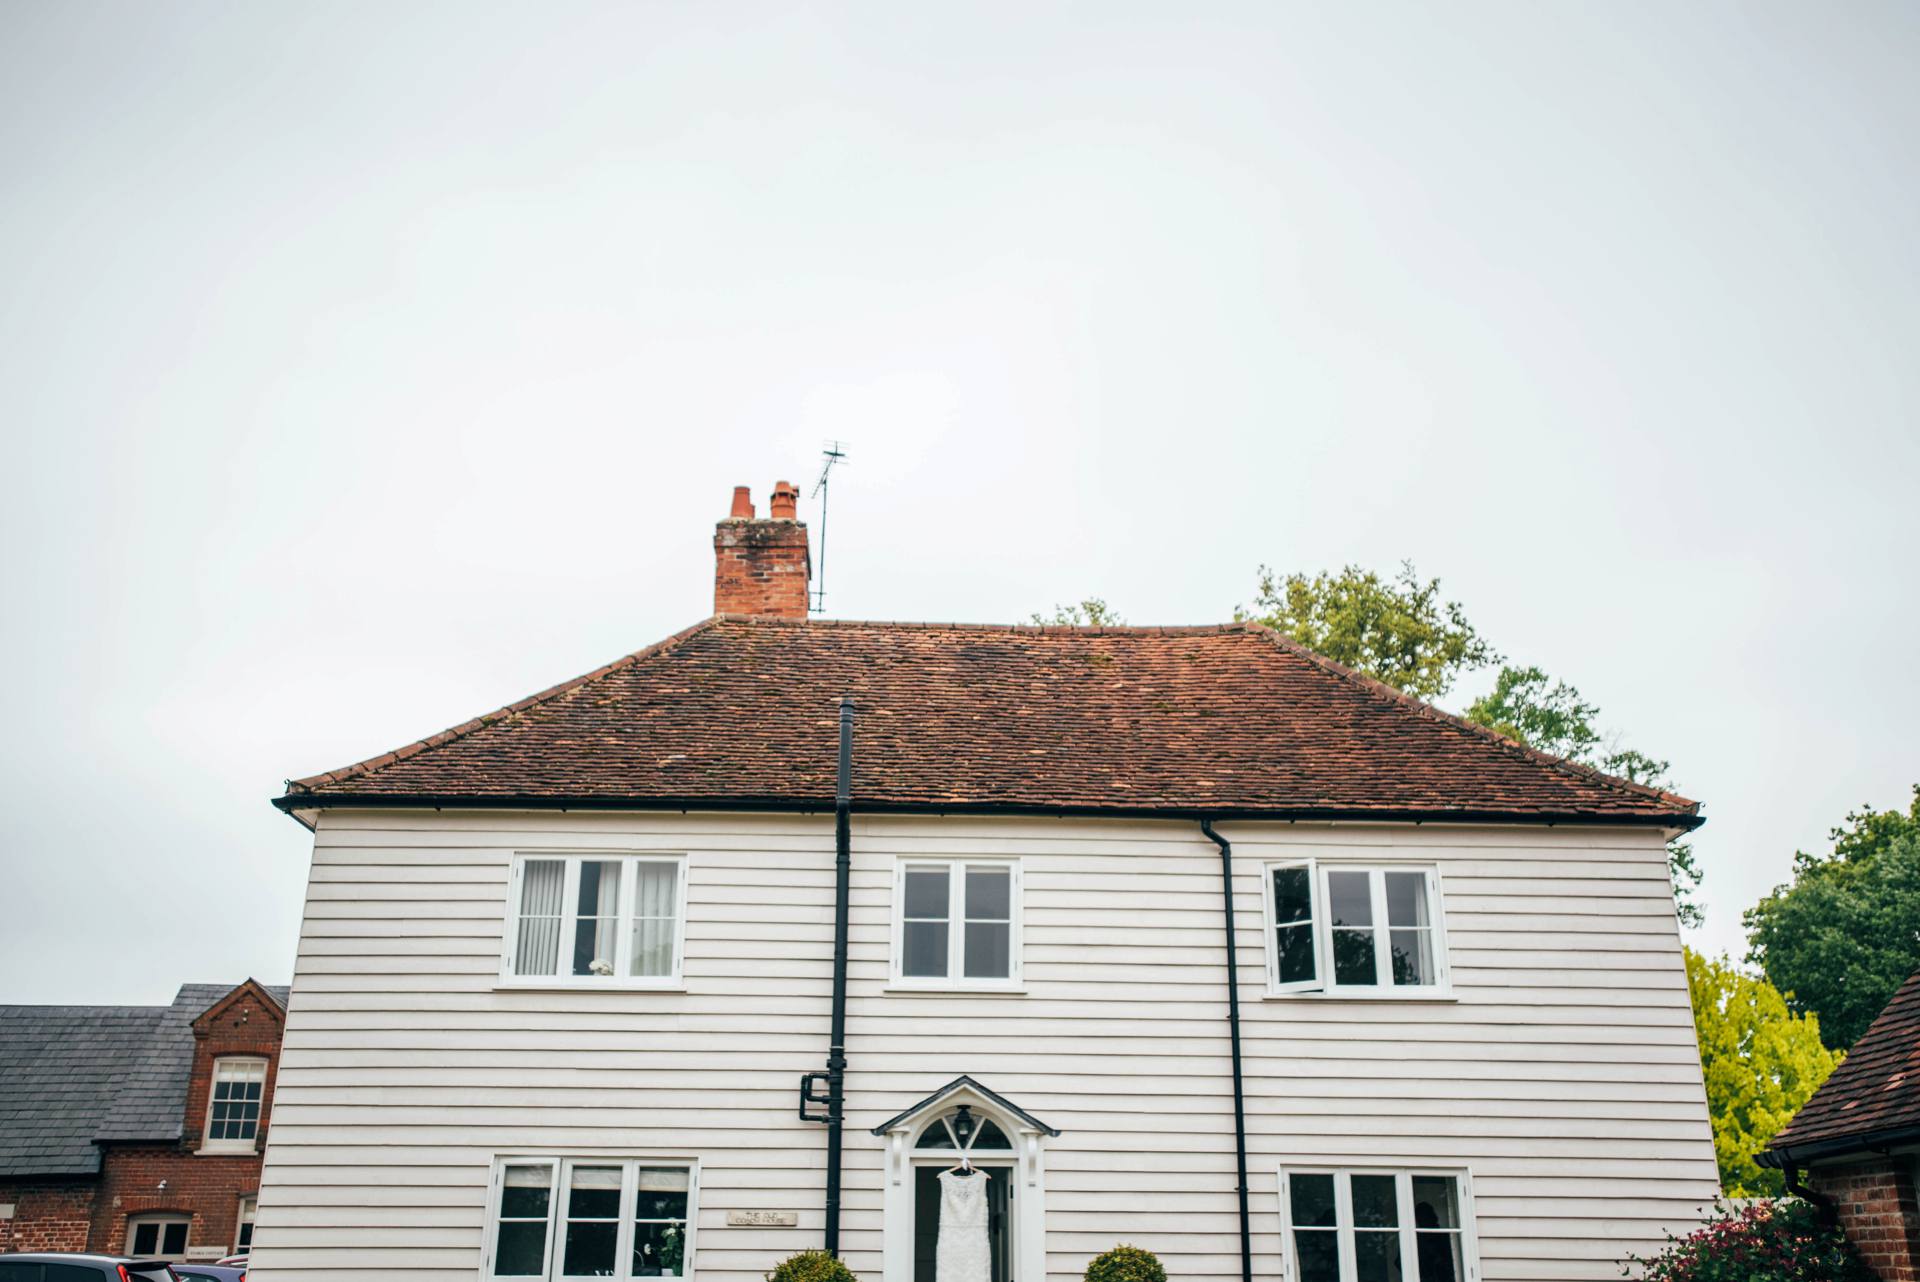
<point x="1009" y="1155"/>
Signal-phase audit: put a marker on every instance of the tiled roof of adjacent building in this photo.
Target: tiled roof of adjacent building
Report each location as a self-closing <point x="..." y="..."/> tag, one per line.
<point x="74" y="1075"/>
<point x="1873" y="1097"/>
<point x="1233" y="719"/>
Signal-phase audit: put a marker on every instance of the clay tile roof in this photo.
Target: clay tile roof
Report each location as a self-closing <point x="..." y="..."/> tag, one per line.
<point x="1232" y="719"/>
<point x="1875" y="1093"/>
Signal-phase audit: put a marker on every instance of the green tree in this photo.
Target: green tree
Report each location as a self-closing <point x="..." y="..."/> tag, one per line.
<point x="1761" y="1062"/>
<point x="1527" y="705"/>
<point x="1845" y="933"/>
<point x="1397" y="630"/>
<point x="1092" y="612"/>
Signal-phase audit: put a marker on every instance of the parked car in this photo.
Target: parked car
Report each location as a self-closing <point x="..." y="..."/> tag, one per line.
<point x="193" y="1271"/>
<point x="68" y="1266"/>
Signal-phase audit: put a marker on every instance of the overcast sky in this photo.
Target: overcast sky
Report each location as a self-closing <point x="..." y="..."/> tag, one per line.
<point x="365" y="367"/>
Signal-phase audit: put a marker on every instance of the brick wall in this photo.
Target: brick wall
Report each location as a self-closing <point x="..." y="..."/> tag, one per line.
<point x="762" y="566"/>
<point x="47" y="1216"/>
<point x="136" y="1179"/>
<point x="1877" y="1207"/>
<point x="140" y="1178"/>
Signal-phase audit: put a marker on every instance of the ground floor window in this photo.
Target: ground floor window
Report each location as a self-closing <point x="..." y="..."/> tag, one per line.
<point x="157" y="1235"/>
<point x="577" y="1217"/>
<point x="1377" y="1225"/>
<point x="243" y="1237"/>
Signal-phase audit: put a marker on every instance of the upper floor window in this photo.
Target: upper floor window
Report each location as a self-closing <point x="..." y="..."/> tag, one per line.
<point x="157" y="1235"/>
<point x="956" y="924"/>
<point x="233" y="1105"/>
<point x="1358" y="931"/>
<point x="562" y="1218"/>
<point x="1363" y="1225"/>
<point x="596" y="920"/>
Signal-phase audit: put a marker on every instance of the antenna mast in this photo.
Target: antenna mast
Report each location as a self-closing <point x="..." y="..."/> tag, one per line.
<point x="834" y="452"/>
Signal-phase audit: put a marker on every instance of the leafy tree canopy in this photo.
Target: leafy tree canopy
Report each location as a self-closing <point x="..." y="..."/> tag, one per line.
<point x="1092" y="612"/>
<point x="1761" y="1061"/>
<point x="1843" y="936"/>
<point x="1395" y="630"/>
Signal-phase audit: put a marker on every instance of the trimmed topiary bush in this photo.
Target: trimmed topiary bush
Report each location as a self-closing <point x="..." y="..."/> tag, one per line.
<point x="811" y="1266"/>
<point x="1126" y="1264"/>
<point x="1768" y="1241"/>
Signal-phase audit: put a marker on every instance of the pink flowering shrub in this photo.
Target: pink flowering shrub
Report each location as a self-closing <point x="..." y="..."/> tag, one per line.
<point x="1769" y="1241"/>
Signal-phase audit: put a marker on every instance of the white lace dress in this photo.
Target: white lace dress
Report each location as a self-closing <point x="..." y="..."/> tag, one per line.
<point x="961" y="1255"/>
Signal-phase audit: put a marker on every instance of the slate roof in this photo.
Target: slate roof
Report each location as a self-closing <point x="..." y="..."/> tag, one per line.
<point x="1223" y="720"/>
<point x="1872" y="1098"/>
<point x="72" y="1075"/>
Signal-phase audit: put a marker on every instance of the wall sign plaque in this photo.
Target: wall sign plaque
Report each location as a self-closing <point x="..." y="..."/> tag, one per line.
<point x="763" y="1219"/>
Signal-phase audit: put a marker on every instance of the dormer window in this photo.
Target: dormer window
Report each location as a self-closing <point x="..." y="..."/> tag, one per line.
<point x="233" y="1105"/>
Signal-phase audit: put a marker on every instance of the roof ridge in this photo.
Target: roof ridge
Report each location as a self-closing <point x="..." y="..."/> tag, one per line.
<point x="1029" y="629"/>
<point x="1394" y="695"/>
<point x="465" y="728"/>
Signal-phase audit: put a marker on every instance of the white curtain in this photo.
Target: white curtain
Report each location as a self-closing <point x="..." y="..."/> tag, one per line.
<point x="653" y="918"/>
<point x="538" y="949"/>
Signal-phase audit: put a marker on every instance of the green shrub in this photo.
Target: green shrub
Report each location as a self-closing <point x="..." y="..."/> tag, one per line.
<point x="1767" y="1241"/>
<point x="1126" y="1264"/>
<point x="811" y="1266"/>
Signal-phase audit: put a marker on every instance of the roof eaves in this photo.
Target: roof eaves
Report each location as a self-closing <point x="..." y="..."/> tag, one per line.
<point x="813" y="805"/>
<point x="1779" y="1156"/>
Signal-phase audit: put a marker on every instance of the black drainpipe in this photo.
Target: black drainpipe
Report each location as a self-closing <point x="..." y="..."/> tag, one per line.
<point x="837" y="1040"/>
<point x="1822" y="1204"/>
<point x="1233" y="1029"/>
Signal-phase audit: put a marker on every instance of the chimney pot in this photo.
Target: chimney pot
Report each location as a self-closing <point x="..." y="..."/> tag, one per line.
<point x="785" y="502"/>
<point x="761" y="567"/>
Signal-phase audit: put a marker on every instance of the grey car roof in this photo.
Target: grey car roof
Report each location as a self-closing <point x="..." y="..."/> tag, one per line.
<point x="74" y="1076"/>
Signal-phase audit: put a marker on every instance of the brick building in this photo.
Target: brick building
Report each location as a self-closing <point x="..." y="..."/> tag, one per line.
<point x="137" y="1128"/>
<point x="1856" y="1144"/>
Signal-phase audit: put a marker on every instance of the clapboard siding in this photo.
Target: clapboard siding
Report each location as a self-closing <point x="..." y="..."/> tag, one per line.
<point x="1563" y="1072"/>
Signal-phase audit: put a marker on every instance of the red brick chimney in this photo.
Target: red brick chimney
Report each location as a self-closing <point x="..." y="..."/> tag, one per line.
<point x="762" y="566"/>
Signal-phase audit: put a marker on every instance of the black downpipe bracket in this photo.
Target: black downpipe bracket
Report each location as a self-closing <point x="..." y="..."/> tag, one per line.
<point x="837" y="1039"/>
<point x="1233" y="1029"/>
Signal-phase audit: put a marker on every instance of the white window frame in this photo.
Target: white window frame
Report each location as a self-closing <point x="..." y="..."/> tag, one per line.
<point x="955" y="980"/>
<point x="569" y="922"/>
<point x="562" y="1165"/>
<point x="161" y="1218"/>
<point x="1343" y="1215"/>
<point x="247" y="1216"/>
<point x="1322" y="985"/>
<point x="252" y="1144"/>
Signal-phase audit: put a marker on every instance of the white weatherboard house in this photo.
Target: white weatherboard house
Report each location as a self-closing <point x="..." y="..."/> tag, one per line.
<point x="1186" y="937"/>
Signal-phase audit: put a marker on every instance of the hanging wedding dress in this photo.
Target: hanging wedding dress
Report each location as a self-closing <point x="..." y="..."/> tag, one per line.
<point x="961" y="1254"/>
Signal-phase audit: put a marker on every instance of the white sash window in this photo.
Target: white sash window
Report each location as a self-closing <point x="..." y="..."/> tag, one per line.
<point x="956" y="924"/>
<point x="613" y="921"/>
